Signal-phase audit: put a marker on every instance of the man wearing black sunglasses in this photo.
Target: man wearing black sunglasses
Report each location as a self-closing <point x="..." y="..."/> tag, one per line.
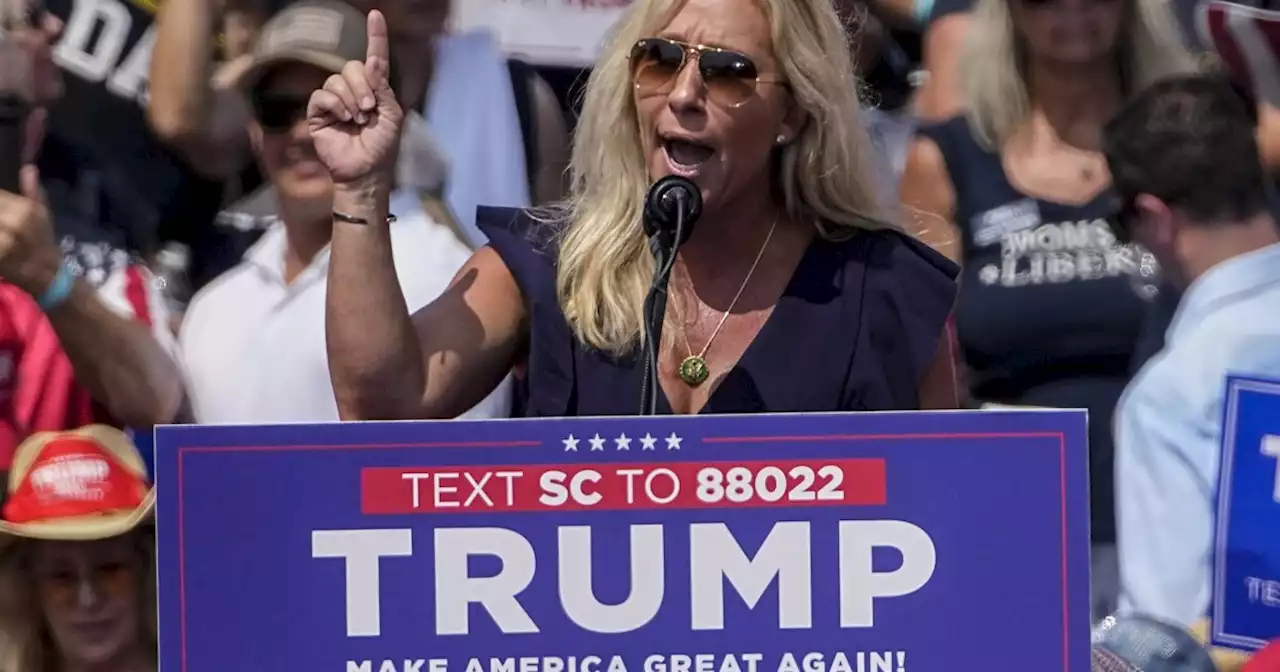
<point x="1186" y="166"/>
<point x="253" y="340"/>
<point x="499" y="123"/>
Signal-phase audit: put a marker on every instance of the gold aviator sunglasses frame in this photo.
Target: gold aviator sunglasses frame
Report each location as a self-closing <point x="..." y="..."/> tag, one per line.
<point x="692" y="53"/>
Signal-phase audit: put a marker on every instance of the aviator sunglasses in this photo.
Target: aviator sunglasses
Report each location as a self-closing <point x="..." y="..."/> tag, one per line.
<point x="730" y="78"/>
<point x="109" y="580"/>
<point x="278" y="112"/>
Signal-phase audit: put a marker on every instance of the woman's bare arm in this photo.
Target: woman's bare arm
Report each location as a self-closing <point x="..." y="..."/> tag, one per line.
<point x="940" y="388"/>
<point x="471" y="336"/>
<point x="1269" y="137"/>
<point x="385" y="364"/>
<point x="940" y="96"/>
<point x="191" y="106"/>
<point x="388" y="365"/>
<point x="928" y="207"/>
<point x="928" y="199"/>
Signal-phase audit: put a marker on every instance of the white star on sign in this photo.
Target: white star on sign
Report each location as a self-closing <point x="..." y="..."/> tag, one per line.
<point x="597" y="443"/>
<point x="570" y="443"/>
<point x="647" y="441"/>
<point x="673" y="442"/>
<point x="624" y="443"/>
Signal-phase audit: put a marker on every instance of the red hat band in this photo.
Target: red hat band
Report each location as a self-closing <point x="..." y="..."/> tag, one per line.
<point x="74" y="477"/>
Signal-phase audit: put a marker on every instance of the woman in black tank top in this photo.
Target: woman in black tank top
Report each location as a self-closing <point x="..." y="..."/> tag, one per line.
<point x="1050" y="307"/>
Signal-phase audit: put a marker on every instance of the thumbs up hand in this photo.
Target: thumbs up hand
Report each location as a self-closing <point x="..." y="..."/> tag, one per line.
<point x="29" y="254"/>
<point x="355" y="119"/>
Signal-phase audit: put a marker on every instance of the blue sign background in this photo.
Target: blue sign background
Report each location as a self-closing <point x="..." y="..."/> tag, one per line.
<point x="1002" y="494"/>
<point x="1247" y="535"/>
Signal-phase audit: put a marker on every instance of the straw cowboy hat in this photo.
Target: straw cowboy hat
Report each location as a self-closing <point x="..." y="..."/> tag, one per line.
<point x="81" y="485"/>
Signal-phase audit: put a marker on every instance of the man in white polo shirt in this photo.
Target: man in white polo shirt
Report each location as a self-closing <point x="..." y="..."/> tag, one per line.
<point x="253" y="339"/>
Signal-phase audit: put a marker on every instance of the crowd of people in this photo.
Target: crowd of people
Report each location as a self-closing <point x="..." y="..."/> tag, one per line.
<point x="268" y="211"/>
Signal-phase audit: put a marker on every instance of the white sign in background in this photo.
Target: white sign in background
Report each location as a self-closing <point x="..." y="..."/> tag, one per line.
<point x="544" y="32"/>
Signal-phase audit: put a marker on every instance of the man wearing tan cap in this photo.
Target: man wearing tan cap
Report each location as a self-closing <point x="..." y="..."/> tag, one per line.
<point x="253" y="340"/>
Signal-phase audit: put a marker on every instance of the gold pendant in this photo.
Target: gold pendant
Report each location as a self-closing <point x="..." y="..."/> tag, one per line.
<point x="693" y="370"/>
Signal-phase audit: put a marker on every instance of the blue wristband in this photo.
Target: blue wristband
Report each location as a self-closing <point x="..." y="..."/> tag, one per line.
<point x="923" y="10"/>
<point x="57" y="292"/>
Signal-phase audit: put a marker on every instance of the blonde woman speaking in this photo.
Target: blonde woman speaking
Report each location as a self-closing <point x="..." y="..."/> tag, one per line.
<point x="790" y="296"/>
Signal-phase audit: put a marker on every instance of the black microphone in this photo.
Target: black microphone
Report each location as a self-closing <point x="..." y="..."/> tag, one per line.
<point x="671" y="207"/>
<point x="671" y="202"/>
<point x="1146" y="644"/>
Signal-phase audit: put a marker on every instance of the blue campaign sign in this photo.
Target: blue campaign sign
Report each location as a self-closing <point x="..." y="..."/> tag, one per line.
<point x="913" y="542"/>
<point x="1246" y="548"/>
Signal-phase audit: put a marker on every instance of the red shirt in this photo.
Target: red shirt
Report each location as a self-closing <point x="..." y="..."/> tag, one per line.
<point x="38" y="390"/>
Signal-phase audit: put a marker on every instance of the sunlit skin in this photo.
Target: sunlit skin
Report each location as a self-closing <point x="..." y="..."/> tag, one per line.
<point x="88" y="594"/>
<point x="289" y="158"/>
<point x="413" y="26"/>
<point x="743" y="138"/>
<point x="1070" y="32"/>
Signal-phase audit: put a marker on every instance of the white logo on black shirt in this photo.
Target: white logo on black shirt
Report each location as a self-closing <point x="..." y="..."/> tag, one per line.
<point x="990" y="226"/>
<point x="93" y="48"/>
<point x="1062" y="252"/>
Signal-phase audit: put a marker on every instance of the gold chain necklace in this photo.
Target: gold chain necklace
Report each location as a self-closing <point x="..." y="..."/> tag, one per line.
<point x="693" y="369"/>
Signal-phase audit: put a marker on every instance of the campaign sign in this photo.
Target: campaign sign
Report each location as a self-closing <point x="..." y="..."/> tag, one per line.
<point x="1246" y="548"/>
<point x="912" y="542"/>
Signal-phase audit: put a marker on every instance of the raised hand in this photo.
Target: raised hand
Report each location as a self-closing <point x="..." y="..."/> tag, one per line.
<point x="29" y="255"/>
<point x="355" y="119"/>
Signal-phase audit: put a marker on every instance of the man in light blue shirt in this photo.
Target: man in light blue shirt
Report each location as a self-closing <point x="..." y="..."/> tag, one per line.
<point x="1191" y="187"/>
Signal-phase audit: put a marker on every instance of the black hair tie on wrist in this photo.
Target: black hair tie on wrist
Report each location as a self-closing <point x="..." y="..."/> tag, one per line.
<point x="343" y="217"/>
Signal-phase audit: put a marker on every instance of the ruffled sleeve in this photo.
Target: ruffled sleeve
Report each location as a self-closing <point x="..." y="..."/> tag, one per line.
<point x="528" y="248"/>
<point x="525" y="247"/>
<point x="908" y="294"/>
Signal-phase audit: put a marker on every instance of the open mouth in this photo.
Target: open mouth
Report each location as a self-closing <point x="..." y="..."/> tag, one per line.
<point x="686" y="156"/>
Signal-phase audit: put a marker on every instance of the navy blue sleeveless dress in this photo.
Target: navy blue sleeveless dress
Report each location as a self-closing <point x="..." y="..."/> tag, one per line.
<point x="1050" y="307"/>
<point x="856" y="329"/>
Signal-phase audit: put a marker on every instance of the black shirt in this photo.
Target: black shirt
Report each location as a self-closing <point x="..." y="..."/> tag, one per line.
<point x="942" y="8"/>
<point x="96" y="212"/>
<point x="1050" y="308"/>
<point x="856" y="329"/>
<point x="104" y="54"/>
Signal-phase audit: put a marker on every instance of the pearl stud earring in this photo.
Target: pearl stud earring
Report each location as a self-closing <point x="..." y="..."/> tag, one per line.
<point x="781" y="139"/>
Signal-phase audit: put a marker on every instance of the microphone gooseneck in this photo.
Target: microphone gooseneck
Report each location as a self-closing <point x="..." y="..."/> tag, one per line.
<point x="668" y="199"/>
<point x="671" y="207"/>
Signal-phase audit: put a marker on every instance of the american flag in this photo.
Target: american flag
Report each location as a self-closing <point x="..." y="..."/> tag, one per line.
<point x="1247" y="41"/>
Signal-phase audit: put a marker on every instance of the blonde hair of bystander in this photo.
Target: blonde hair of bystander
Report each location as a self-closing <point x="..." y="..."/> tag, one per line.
<point x="992" y="63"/>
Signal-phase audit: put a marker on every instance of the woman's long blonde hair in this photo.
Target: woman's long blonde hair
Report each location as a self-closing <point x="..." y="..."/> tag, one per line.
<point x="993" y="64"/>
<point x="823" y="175"/>
<point x="25" y="642"/>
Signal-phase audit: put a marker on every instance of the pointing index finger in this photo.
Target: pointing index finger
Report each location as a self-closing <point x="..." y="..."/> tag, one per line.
<point x="376" y="34"/>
